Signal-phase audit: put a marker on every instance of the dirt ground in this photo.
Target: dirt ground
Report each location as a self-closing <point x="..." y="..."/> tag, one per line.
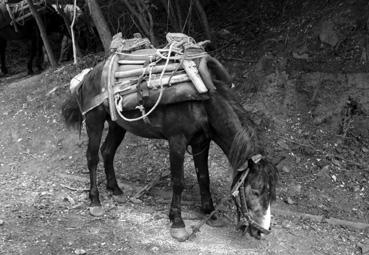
<point x="44" y="203"/>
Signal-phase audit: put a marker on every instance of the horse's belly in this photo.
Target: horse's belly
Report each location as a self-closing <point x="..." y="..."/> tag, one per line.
<point x="140" y="128"/>
<point x="167" y="121"/>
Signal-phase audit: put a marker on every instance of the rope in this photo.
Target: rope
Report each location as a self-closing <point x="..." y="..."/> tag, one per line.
<point x="145" y="115"/>
<point x="177" y="43"/>
<point x="216" y="209"/>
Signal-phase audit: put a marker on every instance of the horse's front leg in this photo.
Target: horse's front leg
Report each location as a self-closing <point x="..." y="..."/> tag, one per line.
<point x="94" y="124"/>
<point x="2" y="56"/>
<point x="113" y="139"/>
<point x="200" y="152"/>
<point x="177" y="147"/>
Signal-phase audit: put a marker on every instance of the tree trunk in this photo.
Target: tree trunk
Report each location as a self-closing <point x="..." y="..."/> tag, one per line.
<point x="43" y="34"/>
<point x="100" y="23"/>
<point x="72" y="32"/>
<point x="204" y="19"/>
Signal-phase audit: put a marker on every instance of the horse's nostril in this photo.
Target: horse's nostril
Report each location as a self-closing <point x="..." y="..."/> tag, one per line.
<point x="255" y="233"/>
<point x="258" y="235"/>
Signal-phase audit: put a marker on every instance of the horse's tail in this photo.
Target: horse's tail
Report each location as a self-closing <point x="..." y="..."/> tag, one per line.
<point x="71" y="113"/>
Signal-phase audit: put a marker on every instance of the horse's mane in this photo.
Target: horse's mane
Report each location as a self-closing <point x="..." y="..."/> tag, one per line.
<point x="246" y="142"/>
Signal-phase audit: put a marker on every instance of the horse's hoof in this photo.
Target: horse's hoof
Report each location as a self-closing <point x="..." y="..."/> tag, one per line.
<point x="180" y="234"/>
<point x="96" y="211"/>
<point x="217" y="222"/>
<point x="119" y="199"/>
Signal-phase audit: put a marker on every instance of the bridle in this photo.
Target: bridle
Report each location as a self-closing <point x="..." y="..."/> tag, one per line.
<point x="239" y="198"/>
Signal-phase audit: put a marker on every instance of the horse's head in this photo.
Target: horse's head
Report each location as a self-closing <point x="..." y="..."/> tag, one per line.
<point x="254" y="189"/>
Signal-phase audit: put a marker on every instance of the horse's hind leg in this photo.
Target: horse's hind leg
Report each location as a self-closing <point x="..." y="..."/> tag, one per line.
<point x="94" y="124"/>
<point x="2" y="56"/>
<point x="39" y="54"/>
<point x="32" y="54"/>
<point x="177" y="147"/>
<point x="113" y="139"/>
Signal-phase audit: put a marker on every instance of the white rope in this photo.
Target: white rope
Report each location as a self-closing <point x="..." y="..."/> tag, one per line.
<point x="145" y="115"/>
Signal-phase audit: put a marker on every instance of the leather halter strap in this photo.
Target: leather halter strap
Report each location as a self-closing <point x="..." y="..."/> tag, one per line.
<point x="238" y="195"/>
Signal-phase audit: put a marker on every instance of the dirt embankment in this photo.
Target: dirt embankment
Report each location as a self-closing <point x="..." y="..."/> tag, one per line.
<point x="304" y="78"/>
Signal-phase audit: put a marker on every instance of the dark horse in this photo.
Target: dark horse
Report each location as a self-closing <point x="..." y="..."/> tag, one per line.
<point x="29" y="31"/>
<point x="221" y="118"/>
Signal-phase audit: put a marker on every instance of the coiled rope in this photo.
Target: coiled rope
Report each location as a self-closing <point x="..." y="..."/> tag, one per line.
<point x="146" y="114"/>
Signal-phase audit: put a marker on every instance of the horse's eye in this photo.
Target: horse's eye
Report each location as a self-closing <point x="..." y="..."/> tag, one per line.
<point x="255" y="192"/>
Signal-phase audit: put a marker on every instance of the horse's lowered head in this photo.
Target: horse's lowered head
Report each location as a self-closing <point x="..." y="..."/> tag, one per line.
<point x="253" y="190"/>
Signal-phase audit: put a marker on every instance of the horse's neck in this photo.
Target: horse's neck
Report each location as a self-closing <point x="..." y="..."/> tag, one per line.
<point x="224" y="122"/>
<point x="231" y="130"/>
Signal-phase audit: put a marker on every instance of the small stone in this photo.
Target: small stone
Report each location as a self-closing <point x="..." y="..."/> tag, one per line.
<point x="1" y="222"/>
<point x="351" y="238"/>
<point x="96" y="211"/>
<point x="69" y="199"/>
<point x="298" y="160"/>
<point x="336" y="162"/>
<point x="290" y="201"/>
<point x="364" y="149"/>
<point x="323" y="207"/>
<point x="286" y="224"/>
<point x="282" y="143"/>
<point x="224" y="32"/>
<point x="334" y="178"/>
<point x="135" y="200"/>
<point x="356" y="188"/>
<point x="328" y="34"/>
<point x="297" y="55"/>
<point x="297" y="188"/>
<point x="80" y="251"/>
<point x="364" y="247"/>
<point x="324" y="171"/>
<point x="285" y="169"/>
<point x="155" y="249"/>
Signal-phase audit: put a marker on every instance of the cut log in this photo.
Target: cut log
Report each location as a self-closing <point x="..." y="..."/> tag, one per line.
<point x="192" y="71"/>
<point x="136" y="72"/>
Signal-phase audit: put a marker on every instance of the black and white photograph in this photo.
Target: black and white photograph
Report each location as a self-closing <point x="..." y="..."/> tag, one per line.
<point x="184" y="127"/>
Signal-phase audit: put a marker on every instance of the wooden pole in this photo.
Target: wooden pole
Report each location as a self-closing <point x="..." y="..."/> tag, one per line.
<point x="100" y="23"/>
<point x="43" y="34"/>
<point x="72" y="32"/>
<point x="203" y="19"/>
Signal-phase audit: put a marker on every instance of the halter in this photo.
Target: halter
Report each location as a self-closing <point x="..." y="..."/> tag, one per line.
<point x="238" y="195"/>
